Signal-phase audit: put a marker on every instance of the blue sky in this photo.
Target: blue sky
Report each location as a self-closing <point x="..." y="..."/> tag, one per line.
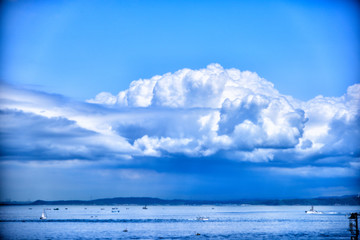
<point x="179" y="99"/>
<point x="60" y="46"/>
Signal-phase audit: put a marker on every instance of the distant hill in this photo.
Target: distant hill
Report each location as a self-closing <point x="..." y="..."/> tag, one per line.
<point x="344" y="200"/>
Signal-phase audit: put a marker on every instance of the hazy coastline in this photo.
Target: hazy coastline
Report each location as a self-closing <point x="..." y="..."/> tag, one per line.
<point x="351" y="200"/>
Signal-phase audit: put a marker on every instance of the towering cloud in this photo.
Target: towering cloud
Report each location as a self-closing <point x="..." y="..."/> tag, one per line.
<point x="186" y="88"/>
<point x="236" y="114"/>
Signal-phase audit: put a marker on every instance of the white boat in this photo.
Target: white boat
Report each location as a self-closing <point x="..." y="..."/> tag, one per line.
<point x="312" y="211"/>
<point x="43" y="215"/>
<point x="202" y="218"/>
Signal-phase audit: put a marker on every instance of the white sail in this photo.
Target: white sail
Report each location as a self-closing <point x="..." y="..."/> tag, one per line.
<point x="43" y="215"/>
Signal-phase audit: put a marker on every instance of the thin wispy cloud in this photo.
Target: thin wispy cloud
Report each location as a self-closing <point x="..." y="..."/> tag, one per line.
<point x="316" y="172"/>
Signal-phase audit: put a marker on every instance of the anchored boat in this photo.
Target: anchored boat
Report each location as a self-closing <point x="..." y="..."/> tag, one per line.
<point x="312" y="211"/>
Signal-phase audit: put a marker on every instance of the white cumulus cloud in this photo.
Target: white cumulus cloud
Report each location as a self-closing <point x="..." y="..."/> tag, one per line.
<point x="192" y="112"/>
<point x="187" y="88"/>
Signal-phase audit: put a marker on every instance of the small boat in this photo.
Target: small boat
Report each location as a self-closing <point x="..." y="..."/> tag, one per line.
<point x="312" y="211"/>
<point x="202" y="218"/>
<point x="43" y="215"/>
<point x="145" y="207"/>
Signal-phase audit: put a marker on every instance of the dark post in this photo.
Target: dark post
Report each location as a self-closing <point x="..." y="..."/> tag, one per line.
<point x="356" y="224"/>
<point x="354" y="232"/>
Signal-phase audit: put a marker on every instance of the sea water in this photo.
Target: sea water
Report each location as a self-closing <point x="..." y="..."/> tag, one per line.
<point x="175" y="222"/>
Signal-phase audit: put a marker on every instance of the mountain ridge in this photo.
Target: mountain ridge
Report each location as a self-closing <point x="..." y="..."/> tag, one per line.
<point x="338" y="200"/>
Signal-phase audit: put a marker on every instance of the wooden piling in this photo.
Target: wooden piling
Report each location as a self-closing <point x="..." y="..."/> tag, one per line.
<point x="354" y="226"/>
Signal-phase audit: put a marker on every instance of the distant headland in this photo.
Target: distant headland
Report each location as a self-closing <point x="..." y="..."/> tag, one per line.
<point x="343" y="200"/>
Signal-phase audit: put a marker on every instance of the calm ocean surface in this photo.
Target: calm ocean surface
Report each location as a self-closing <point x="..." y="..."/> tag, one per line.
<point x="175" y="222"/>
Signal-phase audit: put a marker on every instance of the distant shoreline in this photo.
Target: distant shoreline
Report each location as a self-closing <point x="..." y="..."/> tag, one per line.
<point x="352" y="200"/>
